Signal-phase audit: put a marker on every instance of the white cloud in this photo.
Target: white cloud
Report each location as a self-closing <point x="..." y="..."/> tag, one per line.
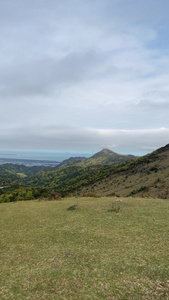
<point x="64" y="137"/>
<point x="83" y="64"/>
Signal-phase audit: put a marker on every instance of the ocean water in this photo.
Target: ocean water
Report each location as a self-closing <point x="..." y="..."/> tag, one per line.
<point x="40" y="155"/>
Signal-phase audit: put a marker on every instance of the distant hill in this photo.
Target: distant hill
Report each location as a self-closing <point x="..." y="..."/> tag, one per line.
<point x="106" y="173"/>
<point x="10" y="173"/>
<point x="103" y="157"/>
<point x="107" y="156"/>
<point x="145" y="176"/>
<point x="77" y="172"/>
<point x="16" y="169"/>
<point x="72" y="160"/>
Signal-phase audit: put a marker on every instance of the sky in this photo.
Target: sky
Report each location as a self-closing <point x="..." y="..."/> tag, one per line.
<point x="83" y="75"/>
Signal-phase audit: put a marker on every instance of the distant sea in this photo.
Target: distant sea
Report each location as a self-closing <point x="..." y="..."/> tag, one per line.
<point x="31" y="158"/>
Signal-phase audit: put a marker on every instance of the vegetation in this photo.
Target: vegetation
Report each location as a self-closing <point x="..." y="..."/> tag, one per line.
<point x="102" y="158"/>
<point x="144" y="176"/>
<point x="49" y="251"/>
<point x="90" y="247"/>
<point x="23" y="193"/>
<point x="65" y="178"/>
<point x="22" y="170"/>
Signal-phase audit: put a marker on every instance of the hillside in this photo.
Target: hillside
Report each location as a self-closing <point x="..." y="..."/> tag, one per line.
<point x="101" y="158"/>
<point x="145" y="176"/>
<point x="107" y="156"/>
<point x="21" y="170"/>
<point x="101" y="250"/>
<point x="74" y="173"/>
<point x="72" y="161"/>
<point x="66" y="178"/>
<point x="14" y="173"/>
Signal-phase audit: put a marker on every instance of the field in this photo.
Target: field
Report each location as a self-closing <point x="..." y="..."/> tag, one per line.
<point x="85" y="248"/>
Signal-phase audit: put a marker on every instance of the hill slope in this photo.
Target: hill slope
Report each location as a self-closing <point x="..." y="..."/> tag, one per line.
<point x="145" y="176"/>
<point x="101" y="158"/>
<point x="51" y="252"/>
<point x="113" y="155"/>
<point x="107" y="157"/>
<point x="78" y="172"/>
<point x="16" y="169"/>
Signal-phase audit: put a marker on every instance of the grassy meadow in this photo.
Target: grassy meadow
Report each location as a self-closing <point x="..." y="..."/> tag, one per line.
<point x="97" y="249"/>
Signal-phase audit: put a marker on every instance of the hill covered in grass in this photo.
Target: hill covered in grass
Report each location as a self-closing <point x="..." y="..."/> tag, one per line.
<point x="144" y="176"/>
<point x="25" y="182"/>
<point x="18" y="169"/>
<point x="106" y="156"/>
<point x="92" y="252"/>
<point x="78" y="172"/>
<point x="101" y="158"/>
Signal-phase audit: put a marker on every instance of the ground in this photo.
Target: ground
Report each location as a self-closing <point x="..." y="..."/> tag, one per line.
<point x="101" y="249"/>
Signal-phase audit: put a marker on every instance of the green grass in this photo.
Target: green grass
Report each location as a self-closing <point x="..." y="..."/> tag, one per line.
<point x="91" y="252"/>
<point x="21" y="175"/>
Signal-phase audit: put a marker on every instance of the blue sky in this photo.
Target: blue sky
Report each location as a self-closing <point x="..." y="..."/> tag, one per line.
<point x="80" y="75"/>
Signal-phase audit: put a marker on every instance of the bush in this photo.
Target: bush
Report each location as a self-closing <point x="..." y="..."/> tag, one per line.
<point x="72" y="207"/>
<point x="114" y="208"/>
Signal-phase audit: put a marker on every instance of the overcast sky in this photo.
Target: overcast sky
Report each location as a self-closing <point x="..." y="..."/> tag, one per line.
<point x="82" y="75"/>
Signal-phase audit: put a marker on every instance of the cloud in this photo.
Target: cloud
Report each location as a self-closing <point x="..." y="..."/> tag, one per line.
<point x="44" y="76"/>
<point x="85" y="139"/>
<point x="83" y="64"/>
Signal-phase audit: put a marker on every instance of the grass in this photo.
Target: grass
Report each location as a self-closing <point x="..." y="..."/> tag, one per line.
<point x="21" y="175"/>
<point x="92" y="252"/>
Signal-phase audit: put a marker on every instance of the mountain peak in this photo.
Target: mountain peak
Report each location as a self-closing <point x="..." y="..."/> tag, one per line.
<point x="106" y="156"/>
<point x="104" y="152"/>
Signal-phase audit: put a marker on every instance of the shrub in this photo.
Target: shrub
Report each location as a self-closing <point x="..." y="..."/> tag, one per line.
<point x="72" y="207"/>
<point x="114" y="208"/>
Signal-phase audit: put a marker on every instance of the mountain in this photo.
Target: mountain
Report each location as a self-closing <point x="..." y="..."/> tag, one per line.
<point x="11" y="172"/>
<point x="77" y="172"/>
<point x="107" y="156"/>
<point x="72" y="160"/>
<point x="18" y="169"/>
<point x="101" y="158"/>
<point x="144" y="176"/>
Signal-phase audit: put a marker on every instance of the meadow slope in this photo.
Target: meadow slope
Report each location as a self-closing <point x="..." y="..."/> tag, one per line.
<point x="101" y="249"/>
<point x="146" y="176"/>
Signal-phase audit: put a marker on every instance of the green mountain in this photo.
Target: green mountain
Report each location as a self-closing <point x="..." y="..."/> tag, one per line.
<point x="71" y="161"/>
<point x="21" y="170"/>
<point x="101" y="174"/>
<point x="106" y="156"/>
<point x="66" y="178"/>
<point x="102" y="158"/>
<point x="75" y="173"/>
<point x="144" y="176"/>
